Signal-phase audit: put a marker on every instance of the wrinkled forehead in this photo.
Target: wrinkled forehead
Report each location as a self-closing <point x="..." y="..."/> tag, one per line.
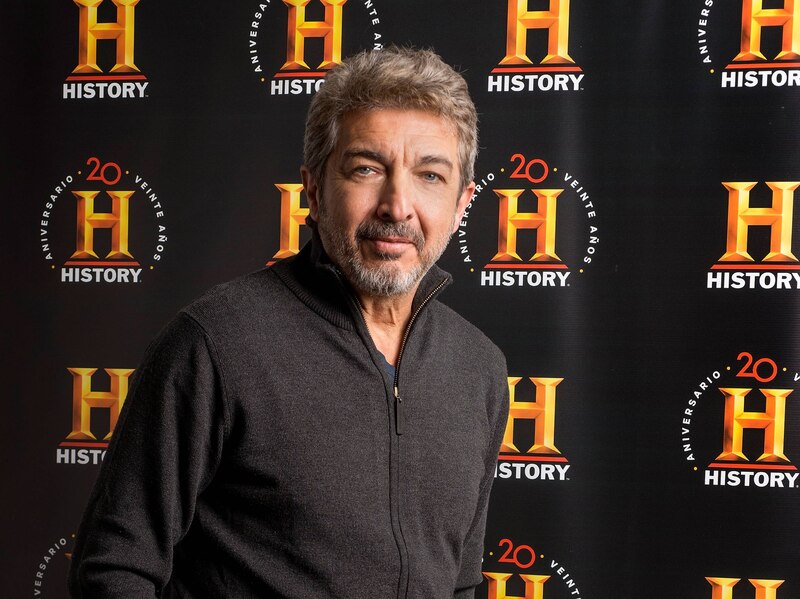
<point x="412" y="131"/>
<point x="362" y="113"/>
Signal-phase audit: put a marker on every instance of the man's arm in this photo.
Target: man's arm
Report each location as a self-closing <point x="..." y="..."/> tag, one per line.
<point x="470" y="574"/>
<point x="163" y="453"/>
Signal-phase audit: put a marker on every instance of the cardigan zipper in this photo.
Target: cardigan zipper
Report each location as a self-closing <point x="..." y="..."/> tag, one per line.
<point x="398" y="401"/>
<point x="399" y="424"/>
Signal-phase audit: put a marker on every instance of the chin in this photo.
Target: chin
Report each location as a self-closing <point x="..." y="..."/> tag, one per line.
<point x="385" y="280"/>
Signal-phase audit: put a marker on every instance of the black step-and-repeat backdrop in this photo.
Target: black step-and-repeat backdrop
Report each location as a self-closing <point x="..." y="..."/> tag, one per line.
<point x="631" y="246"/>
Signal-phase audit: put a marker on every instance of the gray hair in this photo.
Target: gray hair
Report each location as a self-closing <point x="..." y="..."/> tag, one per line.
<point x="392" y="78"/>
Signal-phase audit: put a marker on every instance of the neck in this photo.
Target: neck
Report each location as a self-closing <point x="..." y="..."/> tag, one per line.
<point x="387" y="318"/>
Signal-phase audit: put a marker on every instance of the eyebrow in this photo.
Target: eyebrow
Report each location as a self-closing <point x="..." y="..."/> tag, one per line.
<point x="434" y="159"/>
<point x="364" y="153"/>
<point x="378" y="157"/>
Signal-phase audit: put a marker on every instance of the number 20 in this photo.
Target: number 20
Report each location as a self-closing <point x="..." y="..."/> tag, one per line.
<point x="747" y="357"/>
<point x="514" y="554"/>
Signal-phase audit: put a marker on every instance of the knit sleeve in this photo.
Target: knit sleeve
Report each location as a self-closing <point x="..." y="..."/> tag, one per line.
<point x="498" y="405"/>
<point x="164" y="451"/>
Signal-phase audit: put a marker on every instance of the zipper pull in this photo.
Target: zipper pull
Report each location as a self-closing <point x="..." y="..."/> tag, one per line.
<point x="398" y="412"/>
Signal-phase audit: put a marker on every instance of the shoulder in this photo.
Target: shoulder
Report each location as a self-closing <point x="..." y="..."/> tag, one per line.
<point x="229" y="312"/>
<point x="239" y="304"/>
<point x="240" y="294"/>
<point x="467" y="339"/>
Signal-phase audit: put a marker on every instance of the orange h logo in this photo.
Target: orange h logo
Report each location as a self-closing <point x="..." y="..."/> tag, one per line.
<point x="772" y="421"/>
<point x="89" y="220"/>
<point x="534" y="585"/>
<point x="755" y="16"/>
<point x="84" y="400"/>
<point x="778" y="217"/>
<point x="722" y="588"/>
<point x="520" y="20"/>
<point x="511" y="220"/>
<point x="299" y="29"/>
<point x="542" y="411"/>
<point x="121" y="31"/>
<point x="292" y="218"/>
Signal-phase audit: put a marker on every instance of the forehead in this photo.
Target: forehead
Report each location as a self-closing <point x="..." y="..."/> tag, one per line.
<point x="414" y="131"/>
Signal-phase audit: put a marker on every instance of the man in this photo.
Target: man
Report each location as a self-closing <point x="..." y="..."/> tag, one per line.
<point x="324" y="428"/>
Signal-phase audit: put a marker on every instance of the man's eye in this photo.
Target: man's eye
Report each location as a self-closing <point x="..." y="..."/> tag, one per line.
<point x="363" y="170"/>
<point x="432" y="177"/>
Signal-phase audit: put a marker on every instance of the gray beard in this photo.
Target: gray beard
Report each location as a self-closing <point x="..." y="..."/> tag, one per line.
<point x="386" y="279"/>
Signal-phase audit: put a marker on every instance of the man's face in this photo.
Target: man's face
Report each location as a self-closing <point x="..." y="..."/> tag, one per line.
<point x="391" y="198"/>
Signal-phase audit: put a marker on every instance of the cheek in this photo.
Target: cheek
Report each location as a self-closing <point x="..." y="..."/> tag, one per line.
<point x="439" y="232"/>
<point x="438" y="216"/>
<point x="352" y="206"/>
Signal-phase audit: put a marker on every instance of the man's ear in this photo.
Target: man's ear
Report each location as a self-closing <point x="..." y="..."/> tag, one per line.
<point x="461" y="205"/>
<point x="312" y="192"/>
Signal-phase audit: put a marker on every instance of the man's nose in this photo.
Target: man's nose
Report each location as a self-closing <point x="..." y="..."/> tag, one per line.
<point x="396" y="202"/>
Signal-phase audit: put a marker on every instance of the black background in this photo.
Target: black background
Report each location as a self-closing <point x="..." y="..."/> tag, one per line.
<point x="651" y="136"/>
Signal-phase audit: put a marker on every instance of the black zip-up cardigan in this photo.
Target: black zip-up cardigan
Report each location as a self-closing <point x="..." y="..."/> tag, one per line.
<point x="260" y="453"/>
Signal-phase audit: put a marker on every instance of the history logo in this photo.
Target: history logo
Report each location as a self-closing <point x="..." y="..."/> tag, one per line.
<point x="101" y="73"/>
<point x="735" y="420"/>
<point x="749" y="45"/>
<point x="533" y="65"/>
<point x="102" y="224"/>
<point x="529" y="223"/>
<point x="760" y="588"/>
<point x="292" y="218"/>
<point x="292" y="44"/>
<point x="528" y="450"/>
<point x="515" y="571"/>
<point x="755" y="207"/>
<point x="94" y="414"/>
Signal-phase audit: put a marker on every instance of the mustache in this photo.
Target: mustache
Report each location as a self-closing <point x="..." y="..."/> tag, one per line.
<point x="374" y="229"/>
